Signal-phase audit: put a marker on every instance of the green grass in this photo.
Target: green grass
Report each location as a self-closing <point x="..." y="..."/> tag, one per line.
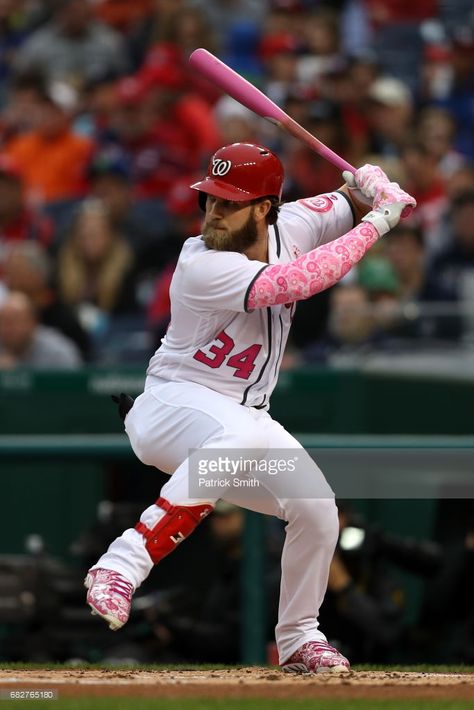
<point x="191" y="704"/>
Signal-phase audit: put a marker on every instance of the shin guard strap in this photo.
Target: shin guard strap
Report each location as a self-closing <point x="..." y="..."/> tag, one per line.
<point x="174" y="526"/>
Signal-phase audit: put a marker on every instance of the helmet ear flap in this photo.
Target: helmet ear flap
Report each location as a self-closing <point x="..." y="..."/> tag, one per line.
<point x="202" y="199"/>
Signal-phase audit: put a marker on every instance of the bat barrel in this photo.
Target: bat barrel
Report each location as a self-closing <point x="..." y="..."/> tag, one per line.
<point x="248" y="95"/>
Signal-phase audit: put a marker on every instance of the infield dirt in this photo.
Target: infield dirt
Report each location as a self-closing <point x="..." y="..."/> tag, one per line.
<point x="242" y="683"/>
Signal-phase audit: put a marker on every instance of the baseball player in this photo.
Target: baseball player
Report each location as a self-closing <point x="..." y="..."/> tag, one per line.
<point x="208" y="386"/>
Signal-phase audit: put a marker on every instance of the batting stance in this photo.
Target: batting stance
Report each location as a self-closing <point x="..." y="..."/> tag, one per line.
<point x="208" y="385"/>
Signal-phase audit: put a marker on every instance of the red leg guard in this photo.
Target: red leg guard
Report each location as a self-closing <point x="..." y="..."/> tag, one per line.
<point x="177" y="523"/>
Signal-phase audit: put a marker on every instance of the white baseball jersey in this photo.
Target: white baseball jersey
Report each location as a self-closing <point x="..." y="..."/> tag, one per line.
<point x="212" y="339"/>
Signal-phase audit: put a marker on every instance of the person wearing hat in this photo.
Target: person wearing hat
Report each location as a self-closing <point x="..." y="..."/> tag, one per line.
<point x="233" y="296"/>
<point x="390" y="114"/>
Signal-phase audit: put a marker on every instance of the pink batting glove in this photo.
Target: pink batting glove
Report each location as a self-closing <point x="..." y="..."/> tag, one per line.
<point x="371" y="186"/>
<point x="391" y="192"/>
<point x="365" y="181"/>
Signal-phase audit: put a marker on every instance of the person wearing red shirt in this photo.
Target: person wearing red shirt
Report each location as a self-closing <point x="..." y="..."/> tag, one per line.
<point x="51" y="158"/>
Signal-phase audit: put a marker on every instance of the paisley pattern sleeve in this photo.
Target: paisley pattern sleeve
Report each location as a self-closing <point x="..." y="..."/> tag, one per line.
<point x="312" y="272"/>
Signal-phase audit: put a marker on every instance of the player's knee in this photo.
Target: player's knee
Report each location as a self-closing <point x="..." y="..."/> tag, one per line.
<point x="317" y="516"/>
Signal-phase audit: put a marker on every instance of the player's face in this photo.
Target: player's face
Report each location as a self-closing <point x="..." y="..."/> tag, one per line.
<point x="229" y="226"/>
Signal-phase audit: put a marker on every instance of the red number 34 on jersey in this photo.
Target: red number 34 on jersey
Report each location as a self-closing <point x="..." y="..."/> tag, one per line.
<point x="243" y="362"/>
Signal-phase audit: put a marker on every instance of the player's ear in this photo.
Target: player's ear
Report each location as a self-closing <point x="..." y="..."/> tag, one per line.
<point x="261" y="209"/>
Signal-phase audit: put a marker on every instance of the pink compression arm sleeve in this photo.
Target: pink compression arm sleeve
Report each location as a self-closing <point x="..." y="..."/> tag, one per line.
<point x="312" y="272"/>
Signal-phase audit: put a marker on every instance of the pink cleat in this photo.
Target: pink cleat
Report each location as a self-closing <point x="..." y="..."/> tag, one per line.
<point x="109" y="596"/>
<point x="316" y="657"/>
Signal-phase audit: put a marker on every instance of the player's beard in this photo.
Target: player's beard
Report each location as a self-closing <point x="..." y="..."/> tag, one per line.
<point x="226" y="240"/>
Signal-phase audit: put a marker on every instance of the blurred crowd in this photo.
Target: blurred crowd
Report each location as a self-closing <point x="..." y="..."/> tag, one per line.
<point x="103" y="126"/>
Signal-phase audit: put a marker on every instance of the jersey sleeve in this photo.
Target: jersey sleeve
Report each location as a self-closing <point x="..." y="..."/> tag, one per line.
<point x="313" y="221"/>
<point x="219" y="281"/>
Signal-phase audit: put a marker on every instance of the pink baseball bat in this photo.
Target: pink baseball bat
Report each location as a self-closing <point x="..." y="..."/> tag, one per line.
<point x="248" y="95"/>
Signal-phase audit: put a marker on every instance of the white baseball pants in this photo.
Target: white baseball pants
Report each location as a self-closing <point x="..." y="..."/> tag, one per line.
<point x="168" y="420"/>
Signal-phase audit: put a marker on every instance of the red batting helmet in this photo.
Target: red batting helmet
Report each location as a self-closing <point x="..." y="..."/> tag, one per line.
<point x="242" y="171"/>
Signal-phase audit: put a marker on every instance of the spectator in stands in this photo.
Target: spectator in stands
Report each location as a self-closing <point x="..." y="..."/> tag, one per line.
<point x="235" y="123"/>
<point x="435" y="72"/>
<point x="223" y="15"/>
<point x="286" y="16"/>
<point x="51" y="158"/>
<point x="391" y="11"/>
<point x="462" y="180"/>
<point x="170" y="95"/>
<point x="458" y="97"/>
<point x="73" y="47"/>
<point x="187" y="30"/>
<point x="426" y="182"/>
<point x="122" y="15"/>
<point x="98" y="102"/>
<point x="307" y="173"/>
<point x="347" y="84"/>
<point x="390" y="113"/>
<point x="143" y="223"/>
<point x="29" y="269"/>
<point x="436" y="132"/>
<point x="351" y="330"/>
<point x="130" y="131"/>
<point x="456" y="184"/>
<point x="279" y="53"/>
<point x="25" y="95"/>
<point x="169" y="37"/>
<point x="95" y="266"/>
<point x="351" y="320"/>
<point x="453" y="267"/>
<point x="396" y="37"/>
<point x="405" y="252"/>
<point x="179" y="24"/>
<point x="378" y="278"/>
<point x="13" y="32"/>
<point x="185" y="222"/>
<point x="240" y="50"/>
<point x="18" y="223"/>
<point x="322" y="50"/>
<point x="25" y="343"/>
<point x="164" y="130"/>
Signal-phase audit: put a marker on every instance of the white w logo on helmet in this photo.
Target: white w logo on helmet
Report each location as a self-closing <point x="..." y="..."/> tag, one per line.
<point x="220" y="167"/>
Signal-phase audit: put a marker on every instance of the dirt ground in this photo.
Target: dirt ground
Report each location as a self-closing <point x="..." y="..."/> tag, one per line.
<point x="241" y="683"/>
